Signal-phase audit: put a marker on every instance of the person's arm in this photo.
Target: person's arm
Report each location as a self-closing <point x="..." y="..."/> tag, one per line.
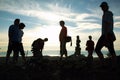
<point x="65" y="32"/>
<point x="87" y="43"/>
<point x="10" y="33"/>
<point x="60" y="36"/>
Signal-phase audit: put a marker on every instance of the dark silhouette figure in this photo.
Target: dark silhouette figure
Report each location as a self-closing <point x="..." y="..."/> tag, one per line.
<point x="21" y="48"/>
<point x="62" y="39"/>
<point x="108" y="37"/>
<point x="19" y="45"/>
<point x="77" y="48"/>
<point x="12" y="35"/>
<point x="37" y="48"/>
<point x="90" y="48"/>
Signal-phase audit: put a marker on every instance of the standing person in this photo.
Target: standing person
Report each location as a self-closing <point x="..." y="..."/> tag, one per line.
<point x="62" y="39"/>
<point x="107" y="38"/>
<point x="90" y="48"/>
<point x="20" y="47"/>
<point x="12" y="35"/>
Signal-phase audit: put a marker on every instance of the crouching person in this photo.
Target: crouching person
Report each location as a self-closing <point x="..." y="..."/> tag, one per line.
<point x="37" y="48"/>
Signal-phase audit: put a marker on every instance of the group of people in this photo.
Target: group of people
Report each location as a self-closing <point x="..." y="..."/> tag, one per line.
<point x="107" y="38"/>
<point x="15" y="34"/>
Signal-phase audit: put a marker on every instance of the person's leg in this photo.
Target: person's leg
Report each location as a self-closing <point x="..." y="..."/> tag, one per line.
<point x="66" y="53"/>
<point x="61" y="51"/>
<point x="90" y="57"/>
<point x="112" y="52"/>
<point x="90" y="53"/>
<point x="21" y="49"/>
<point x="64" y="49"/>
<point x="15" y="52"/>
<point x="9" y="51"/>
<point x="98" y="48"/>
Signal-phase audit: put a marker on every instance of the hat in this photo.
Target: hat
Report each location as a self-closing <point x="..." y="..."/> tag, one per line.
<point x="103" y="4"/>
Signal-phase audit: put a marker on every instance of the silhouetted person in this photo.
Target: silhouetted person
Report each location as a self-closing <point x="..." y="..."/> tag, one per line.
<point x="20" y="47"/>
<point x="18" y="44"/>
<point x="13" y="36"/>
<point x="107" y="38"/>
<point x="77" y="48"/>
<point x="37" y="47"/>
<point x="62" y="39"/>
<point x="90" y="48"/>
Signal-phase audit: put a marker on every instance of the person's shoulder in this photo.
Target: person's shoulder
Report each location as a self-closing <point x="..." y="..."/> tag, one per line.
<point x="109" y="13"/>
<point x="11" y="25"/>
<point x="40" y="40"/>
<point x="88" y="41"/>
<point x="65" y="27"/>
<point x="92" y="41"/>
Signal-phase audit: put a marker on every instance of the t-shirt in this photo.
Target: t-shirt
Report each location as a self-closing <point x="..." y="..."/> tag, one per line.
<point x="107" y="19"/>
<point x="20" y="35"/>
<point x="63" y="34"/>
<point x="90" y="45"/>
<point x="13" y="33"/>
<point x="38" y="44"/>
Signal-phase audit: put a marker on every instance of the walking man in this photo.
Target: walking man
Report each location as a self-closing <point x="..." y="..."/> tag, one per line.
<point x="107" y="38"/>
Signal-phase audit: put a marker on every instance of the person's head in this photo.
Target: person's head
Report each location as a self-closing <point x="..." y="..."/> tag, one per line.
<point x="90" y="37"/>
<point x="77" y="37"/>
<point x="104" y="6"/>
<point x="16" y="21"/>
<point x="62" y="23"/>
<point x="21" y="26"/>
<point x="46" y="39"/>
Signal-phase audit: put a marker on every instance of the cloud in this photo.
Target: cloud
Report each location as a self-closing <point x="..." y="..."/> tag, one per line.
<point x="34" y="9"/>
<point x="117" y="24"/>
<point x="78" y="23"/>
<point x="48" y="12"/>
<point x="117" y="21"/>
<point x="117" y="17"/>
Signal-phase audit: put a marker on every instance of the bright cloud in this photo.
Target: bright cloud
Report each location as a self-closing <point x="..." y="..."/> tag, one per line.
<point x="117" y="24"/>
